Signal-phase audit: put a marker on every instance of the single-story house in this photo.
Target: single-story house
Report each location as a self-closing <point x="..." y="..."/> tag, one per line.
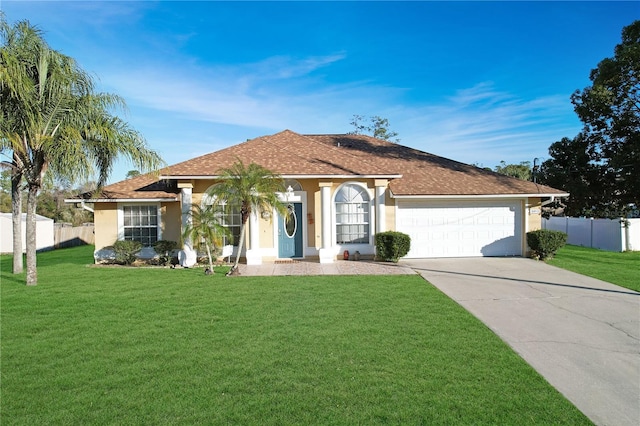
<point x="341" y="190"/>
<point x="44" y="233"/>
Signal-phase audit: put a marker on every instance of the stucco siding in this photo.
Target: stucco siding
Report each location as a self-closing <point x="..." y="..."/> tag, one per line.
<point x="105" y="217"/>
<point x="534" y="214"/>
<point x="171" y="221"/>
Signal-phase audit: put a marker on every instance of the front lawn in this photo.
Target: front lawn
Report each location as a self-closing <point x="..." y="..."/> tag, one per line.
<point x="622" y="269"/>
<point x="92" y="345"/>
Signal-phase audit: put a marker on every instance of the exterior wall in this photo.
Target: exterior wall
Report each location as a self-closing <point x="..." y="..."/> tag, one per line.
<point x="313" y="219"/>
<point x="315" y="239"/>
<point x="534" y="214"/>
<point x="171" y="222"/>
<point x="390" y="211"/>
<point x="105" y="217"/>
<point x="265" y="228"/>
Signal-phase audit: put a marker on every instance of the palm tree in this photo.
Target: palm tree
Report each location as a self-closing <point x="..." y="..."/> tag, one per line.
<point x="251" y="187"/>
<point x="52" y="121"/>
<point x="204" y="229"/>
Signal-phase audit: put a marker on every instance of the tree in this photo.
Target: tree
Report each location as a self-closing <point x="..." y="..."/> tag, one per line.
<point x="253" y="188"/>
<point x="573" y="169"/>
<point x="610" y="111"/>
<point x="204" y="229"/>
<point x="132" y="174"/>
<point x="52" y="121"/>
<point x="378" y="127"/>
<point x="51" y="203"/>
<point x="519" y="171"/>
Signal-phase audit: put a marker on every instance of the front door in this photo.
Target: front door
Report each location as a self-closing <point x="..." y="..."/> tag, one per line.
<point x="290" y="232"/>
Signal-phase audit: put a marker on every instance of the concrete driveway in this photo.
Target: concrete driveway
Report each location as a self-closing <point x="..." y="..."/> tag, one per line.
<point x="581" y="334"/>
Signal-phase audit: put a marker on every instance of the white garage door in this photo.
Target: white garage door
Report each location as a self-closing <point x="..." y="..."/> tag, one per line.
<point x="461" y="229"/>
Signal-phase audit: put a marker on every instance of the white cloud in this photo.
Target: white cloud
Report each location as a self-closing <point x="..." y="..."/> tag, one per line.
<point x="228" y="104"/>
<point x="484" y="125"/>
<point x="276" y="93"/>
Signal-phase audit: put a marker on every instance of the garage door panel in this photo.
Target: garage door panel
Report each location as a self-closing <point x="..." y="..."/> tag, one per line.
<point x="461" y="229"/>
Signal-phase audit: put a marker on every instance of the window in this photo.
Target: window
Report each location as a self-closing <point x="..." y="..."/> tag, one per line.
<point x="230" y="217"/>
<point x="294" y="184"/>
<point x="140" y="223"/>
<point x="352" y="215"/>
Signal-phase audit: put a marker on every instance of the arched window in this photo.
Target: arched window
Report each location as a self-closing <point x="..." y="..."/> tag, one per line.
<point x="229" y="217"/>
<point x="294" y="184"/>
<point x="352" y="215"/>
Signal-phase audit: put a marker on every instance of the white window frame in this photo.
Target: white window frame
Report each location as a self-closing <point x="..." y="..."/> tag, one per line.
<point x="370" y="207"/>
<point x="208" y="200"/>
<point x="121" y="207"/>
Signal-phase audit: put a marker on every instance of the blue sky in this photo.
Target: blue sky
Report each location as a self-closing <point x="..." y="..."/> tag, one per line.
<point x="478" y="82"/>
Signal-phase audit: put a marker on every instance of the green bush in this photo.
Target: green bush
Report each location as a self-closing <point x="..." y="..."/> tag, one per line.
<point x="392" y="245"/>
<point x="126" y="251"/>
<point x="544" y="243"/>
<point x="165" y="248"/>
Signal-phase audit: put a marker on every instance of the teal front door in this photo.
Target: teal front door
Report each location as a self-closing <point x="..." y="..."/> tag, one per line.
<point x="290" y="232"/>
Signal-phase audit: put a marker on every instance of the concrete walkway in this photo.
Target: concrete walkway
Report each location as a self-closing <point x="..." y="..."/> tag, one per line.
<point x="340" y="267"/>
<point x="581" y="334"/>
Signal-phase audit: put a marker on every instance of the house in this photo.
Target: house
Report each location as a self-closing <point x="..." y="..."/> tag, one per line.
<point x="341" y="191"/>
<point x="44" y="233"/>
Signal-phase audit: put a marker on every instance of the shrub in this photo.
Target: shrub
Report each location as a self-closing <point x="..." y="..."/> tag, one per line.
<point x="165" y="248"/>
<point x="126" y="251"/>
<point x="544" y="243"/>
<point x="392" y="245"/>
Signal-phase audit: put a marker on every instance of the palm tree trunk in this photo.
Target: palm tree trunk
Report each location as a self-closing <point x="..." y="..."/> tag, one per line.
<point x="209" y="255"/>
<point x="240" y="244"/>
<point x="16" y="217"/>
<point x="32" y="272"/>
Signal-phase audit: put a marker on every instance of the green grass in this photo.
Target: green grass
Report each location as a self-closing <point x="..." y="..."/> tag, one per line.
<point x="622" y="269"/>
<point x="93" y="345"/>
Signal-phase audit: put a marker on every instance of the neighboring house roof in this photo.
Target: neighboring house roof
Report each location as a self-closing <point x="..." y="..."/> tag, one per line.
<point x="411" y="172"/>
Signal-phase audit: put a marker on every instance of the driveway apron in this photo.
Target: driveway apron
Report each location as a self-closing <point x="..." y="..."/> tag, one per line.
<point x="581" y="334"/>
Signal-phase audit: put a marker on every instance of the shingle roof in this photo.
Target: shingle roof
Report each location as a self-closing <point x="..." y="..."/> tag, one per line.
<point x="428" y="174"/>
<point x="411" y="172"/>
<point x="143" y="187"/>
<point x="285" y="153"/>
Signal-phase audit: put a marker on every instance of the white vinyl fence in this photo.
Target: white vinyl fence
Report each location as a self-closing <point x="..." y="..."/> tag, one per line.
<point x="603" y="234"/>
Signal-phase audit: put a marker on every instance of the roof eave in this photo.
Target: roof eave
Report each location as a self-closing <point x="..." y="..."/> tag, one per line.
<point x="293" y="176"/>
<point x="121" y="200"/>
<point x="475" y="196"/>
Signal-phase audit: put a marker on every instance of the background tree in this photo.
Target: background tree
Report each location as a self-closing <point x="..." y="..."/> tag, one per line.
<point x="520" y="171"/>
<point x="610" y="111"/>
<point x="572" y="168"/>
<point x="205" y="230"/>
<point x="375" y="126"/>
<point x="51" y="202"/>
<point x="253" y="188"/>
<point x="132" y="173"/>
<point x="53" y="121"/>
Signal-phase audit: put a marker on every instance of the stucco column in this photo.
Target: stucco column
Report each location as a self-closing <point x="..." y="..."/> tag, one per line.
<point x="381" y="186"/>
<point x="186" y="189"/>
<point x="253" y="255"/>
<point x="326" y="253"/>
